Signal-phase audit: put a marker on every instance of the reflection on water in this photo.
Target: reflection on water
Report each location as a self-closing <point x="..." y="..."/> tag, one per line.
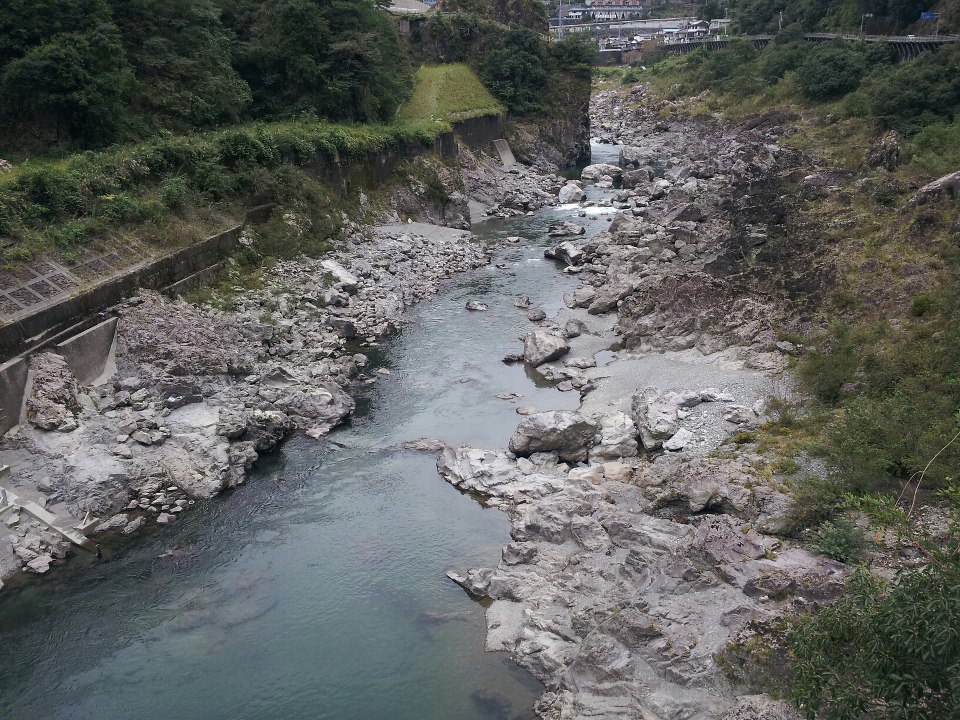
<point x="317" y="590"/>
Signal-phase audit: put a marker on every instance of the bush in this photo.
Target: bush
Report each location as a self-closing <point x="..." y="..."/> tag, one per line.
<point x="885" y="650"/>
<point x="173" y="192"/>
<point x="831" y="71"/>
<point x="839" y="540"/>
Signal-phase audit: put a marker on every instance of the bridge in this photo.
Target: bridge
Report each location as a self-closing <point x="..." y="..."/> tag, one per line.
<point x="906" y="46"/>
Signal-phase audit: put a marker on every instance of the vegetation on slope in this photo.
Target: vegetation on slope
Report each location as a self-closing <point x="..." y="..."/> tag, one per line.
<point x="92" y="72"/>
<point x="62" y="205"/>
<point x="527" y="73"/>
<point x="530" y="14"/>
<point x="448" y="93"/>
<point x="882" y="378"/>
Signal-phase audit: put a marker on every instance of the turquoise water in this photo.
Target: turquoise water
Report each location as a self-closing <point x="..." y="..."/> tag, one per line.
<point x="316" y="590"/>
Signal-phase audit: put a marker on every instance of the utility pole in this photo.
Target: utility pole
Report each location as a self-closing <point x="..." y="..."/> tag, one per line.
<point x="865" y="15"/>
<point x="560" y="21"/>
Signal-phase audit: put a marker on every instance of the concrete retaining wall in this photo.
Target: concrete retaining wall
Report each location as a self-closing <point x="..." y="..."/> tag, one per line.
<point x="479" y="133"/>
<point x="87" y="353"/>
<point x="35" y="330"/>
<point x="13" y="383"/>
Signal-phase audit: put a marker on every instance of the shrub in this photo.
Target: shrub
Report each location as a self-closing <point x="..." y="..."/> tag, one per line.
<point x="839" y="540"/>
<point x="831" y="70"/>
<point x="173" y="192"/>
<point x="887" y="650"/>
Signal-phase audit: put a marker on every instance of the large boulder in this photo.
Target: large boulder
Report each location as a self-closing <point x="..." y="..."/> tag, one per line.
<point x="571" y="193"/>
<point x="566" y="252"/>
<point x="566" y="432"/>
<point x="608" y="295"/>
<point x="595" y="172"/>
<point x="618" y="438"/>
<point x="656" y="416"/>
<point x="542" y="346"/>
<point x="53" y="403"/>
<point x="566" y="228"/>
<point x="637" y="178"/>
<point x="632" y="157"/>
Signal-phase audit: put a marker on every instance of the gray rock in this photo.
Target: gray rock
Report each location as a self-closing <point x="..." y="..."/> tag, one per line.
<point x="53" y="402"/>
<point x="134" y="525"/>
<point x="574" y="328"/>
<point x="566" y="228"/>
<point x="618" y="438"/>
<point x="656" y="417"/>
<point x="571" y="193"/>
<point x="679" y="440"/>
<point x="609" y="295"/>
<point x="565" y="252"/>
<point x="477" y="306"/>
<point x="566" y="432"/>
<point x="542" y="346"/>
<point x="536" y="315"/>
<point x="595" y="172"/>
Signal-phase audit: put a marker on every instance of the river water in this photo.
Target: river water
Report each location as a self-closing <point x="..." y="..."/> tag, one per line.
<point x="316" y="590"/>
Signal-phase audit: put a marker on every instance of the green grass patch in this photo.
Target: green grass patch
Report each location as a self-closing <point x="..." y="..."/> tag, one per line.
<point x="448" y="93"/>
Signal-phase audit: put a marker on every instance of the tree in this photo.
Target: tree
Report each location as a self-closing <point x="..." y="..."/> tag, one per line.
<point x="516" y="71"/>
<point x="339" y="58"/>
<point x="73" y="84"/>
<point x="181" y="54"/>
<point x="831" y="70"/>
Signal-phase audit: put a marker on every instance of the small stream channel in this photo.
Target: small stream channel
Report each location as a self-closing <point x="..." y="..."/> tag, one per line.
<point x="317" y="590"/>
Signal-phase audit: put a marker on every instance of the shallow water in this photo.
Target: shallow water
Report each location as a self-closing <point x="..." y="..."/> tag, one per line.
<point x="316" y="590"/>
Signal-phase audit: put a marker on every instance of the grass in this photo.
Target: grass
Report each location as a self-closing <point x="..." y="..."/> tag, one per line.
<point x="448" y="93"/>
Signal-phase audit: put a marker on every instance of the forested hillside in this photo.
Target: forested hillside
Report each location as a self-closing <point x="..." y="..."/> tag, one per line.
<point x="880" y="17"/>
<point x="90" y="72"/>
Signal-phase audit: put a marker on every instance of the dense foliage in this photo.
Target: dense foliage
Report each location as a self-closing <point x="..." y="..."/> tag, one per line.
<point x="888" y="16"/>
<point x="887" y="649"/>
<point x="907" y="96"/>
<point x="530" y="14"/>
<point x="95" y="71"/>
<point x="526" y="72"/>
<point x="61" y="205"/>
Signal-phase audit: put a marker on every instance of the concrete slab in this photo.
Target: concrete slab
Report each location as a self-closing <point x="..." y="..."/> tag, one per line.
<point x="506" y="154"/>
<point x="88" y="352"/>
<point x="13" y="384"/>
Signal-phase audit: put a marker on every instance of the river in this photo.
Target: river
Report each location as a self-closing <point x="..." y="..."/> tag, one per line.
<point x="316" y="590"/>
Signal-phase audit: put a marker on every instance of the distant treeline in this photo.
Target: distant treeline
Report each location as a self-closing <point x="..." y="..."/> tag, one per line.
<point x="91" y="72"/>
<point x="878" y="16"/>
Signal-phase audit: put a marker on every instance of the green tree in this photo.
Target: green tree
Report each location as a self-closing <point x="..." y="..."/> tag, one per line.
<point x="73" y="85"/>
<point x="516" y="72"/>
<point x="831" y="70"/>
<point x="339" y="58"/>
<point x="181" y="54"/>
<point x="575" y="54"/>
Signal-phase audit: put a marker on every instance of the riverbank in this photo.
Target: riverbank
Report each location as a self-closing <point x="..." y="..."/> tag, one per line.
<point x="647" y="538"/>
<point x="194" y="394"/>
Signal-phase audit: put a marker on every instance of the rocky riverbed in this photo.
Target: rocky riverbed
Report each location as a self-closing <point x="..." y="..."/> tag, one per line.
<point x="643" y="542"/>
<point x="193" y="394"/>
